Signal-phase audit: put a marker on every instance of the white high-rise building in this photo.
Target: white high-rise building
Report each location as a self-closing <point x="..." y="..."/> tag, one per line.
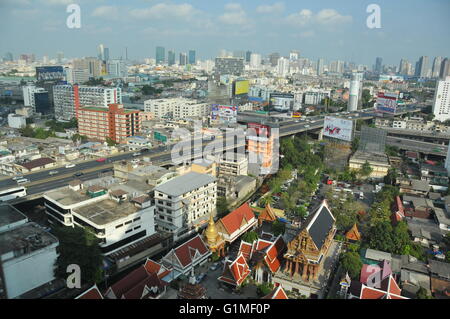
<point x="117" y="68"/>
<point x="255" y="61"/>
<point x="283" y="67"/>
<point x="436" y="67"/>
<point x="441" y="106"/>
<point x="320" y="66"/>
<point x="294" y="55"/>
<point x="355" y="88"/>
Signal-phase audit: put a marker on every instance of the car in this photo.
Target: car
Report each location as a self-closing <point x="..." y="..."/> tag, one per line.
<point x="78" y="174"/>
<point x="307" y="126"/>
<point x="16" y="178"/>
<point x="137" y="154"/>
<point x="200" y="278"/>
<point x="214" y="266"/>
<point x="70" y="165"/>
<point x="22" y="181"/>
<point x="101" y="160"/>
<point x="53" y="172"/>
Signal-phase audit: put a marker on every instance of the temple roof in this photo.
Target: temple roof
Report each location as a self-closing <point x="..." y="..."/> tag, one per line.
<point x="319" y="224"/>
<point x="353" y="233"/>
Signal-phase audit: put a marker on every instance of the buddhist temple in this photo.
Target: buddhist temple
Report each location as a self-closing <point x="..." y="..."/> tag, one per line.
<point x="306" y="251"/>
<point x="213" y="239"/>
<point x="353" y="234"/>
<point x="267" y="215"/>
<point x="277" y="293"/>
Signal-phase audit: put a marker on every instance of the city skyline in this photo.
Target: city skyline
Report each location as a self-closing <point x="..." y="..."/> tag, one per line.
<point x="316" y="30"/>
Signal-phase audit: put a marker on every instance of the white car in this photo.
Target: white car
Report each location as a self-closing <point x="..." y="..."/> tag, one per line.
<point x="53" y="172"/>
<point x="23" y="181"/>
<point x="70" y="165"/>
<point x="16" y="178"/>
<point x="137" y="154"/>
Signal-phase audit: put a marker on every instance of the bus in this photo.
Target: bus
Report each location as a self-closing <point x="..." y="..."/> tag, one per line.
<point x="12" y="193"/>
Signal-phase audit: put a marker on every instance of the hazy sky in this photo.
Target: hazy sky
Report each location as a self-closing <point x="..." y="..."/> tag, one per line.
<point x="330" y="29"/>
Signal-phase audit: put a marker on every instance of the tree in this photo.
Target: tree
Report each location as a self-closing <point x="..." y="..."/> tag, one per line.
<point x="27" y="131"/>
<point x="355" y="144"/>
<point x="391" y="177"/>
<point x="278" y="228"/>
<point x="250" y="237"/>
<point x="222" y="206"/>
<point x="423" y="294"/>
<point x="81" y="247"/>
<point x="366" y="170"/>
<point x="264" y="289"/>
<point x="351" y="263"/>
<point x="110" y="141"/>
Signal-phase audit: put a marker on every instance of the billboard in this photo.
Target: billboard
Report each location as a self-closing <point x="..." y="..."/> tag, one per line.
<point x="49" y="73"/>
<point x="386" y="103"/>
<point x="241" y="87"/>
<point x="338" y="128"/>
<point x="281" y="102"/>
<point x="224" y="113"/>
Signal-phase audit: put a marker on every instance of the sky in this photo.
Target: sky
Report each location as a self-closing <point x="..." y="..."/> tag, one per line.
<point x="329" y="29"/>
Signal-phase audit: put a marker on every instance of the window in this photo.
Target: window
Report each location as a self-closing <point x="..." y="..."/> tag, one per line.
<point x="118" y="226"/>
<point x="128" y="222"/>
<point x="136" y="219"/>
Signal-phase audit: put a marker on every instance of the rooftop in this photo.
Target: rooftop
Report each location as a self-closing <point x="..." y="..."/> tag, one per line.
<point x="184" y="184"/>
<point x="9" y="215"/>
<point x="25" y="239"/>
<point x="106" y="211"/>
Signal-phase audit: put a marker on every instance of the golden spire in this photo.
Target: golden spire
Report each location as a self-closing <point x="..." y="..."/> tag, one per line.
<point x="211" y="233"/>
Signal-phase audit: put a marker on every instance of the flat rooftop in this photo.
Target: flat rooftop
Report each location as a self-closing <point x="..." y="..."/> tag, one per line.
<point x="25" y="239"/>
<point x="106" y="211"/>
<point x="67" y="196"/>
<point x="9" y="215"/>
<point x="185" y="183"/>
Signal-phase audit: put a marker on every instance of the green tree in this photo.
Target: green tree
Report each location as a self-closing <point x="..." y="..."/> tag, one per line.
<point x="79" y="246"/>
<point x="351" y="263"/>
<point x="250" y="237"/>
<point x="264" y="289"/>
<point x="111" y="142"/>
<point x="278" y="227"/>
<point x="423" y="294"/>
<point x="366" y="170"/>
<point x="27" y="131"/>
<point x="222" y="206"/>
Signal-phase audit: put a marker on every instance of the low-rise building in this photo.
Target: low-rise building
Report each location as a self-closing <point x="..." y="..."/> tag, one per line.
<point x="118" y="214"/>
<point x="378" y="162"/>
<point x="27" y="253"/>
<point x="16" y="121"/>
<point x="236" y="223"/>
<point x="236" y="164"/>
<point x="184" y="203"/>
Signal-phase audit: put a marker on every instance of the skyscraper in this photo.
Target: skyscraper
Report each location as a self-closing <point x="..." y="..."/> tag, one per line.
<point x="59" y="57"/>
<point x="105" y="54"/>
<point x="255" y="61"/>
<point x="160" y="55"/>
<point x="441" y="106"/>
<point x="283" y="67"/>
<point x="248" y="55"/>
<point x="422" y="68"/>
<point x="378" y="65"/>
<point x="294" y="55"/>
<point x="403" y="67"/>
<point x="436" y="67"/>
<point x="183" y="58"/>
<point x="273" y="58"/>
<point x="445" y="68"/>
<point x="320" y="66"/>
<point x="171" y="57"/>
<point x="192" y="59"/>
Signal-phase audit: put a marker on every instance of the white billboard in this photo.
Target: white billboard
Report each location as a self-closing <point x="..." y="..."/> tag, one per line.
<point x="386" y="102"/>
<point x="338" y="128"/>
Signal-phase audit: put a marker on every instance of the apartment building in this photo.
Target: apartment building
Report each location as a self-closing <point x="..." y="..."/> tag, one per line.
<point x="184" y="202"/>
<point x="69" y="98"/>
<point x="27" y="254"/>
<point x="236" y="164"/>
<point x="176" y="108"/>
<point x="119" y="214"/>
<point x="113" y="122"/>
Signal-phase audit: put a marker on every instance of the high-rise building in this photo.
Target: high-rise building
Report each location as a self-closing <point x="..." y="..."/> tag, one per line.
<point x="378" y="65"/>
<point x="192" y="59"/>
<point x="229" y="66"/>
<point x="106" y="54"/>
<point x="92" y="65"/>
<point x="103" y="53"/>
<point x="113" y="122"/>
<point x="176" y="108"/>
<point x="294" y="55"/>
<point x="273" y="58"/>
<point x="320" y="66"/>
<point x="441" y="106"/>
<point x="239" y="54"/>
<point x="445" y="68"/>
<point x="171" y="57"/>
<point x="337" y="66"/>
<point x="403" y="67"/>
<point x="248" y="55"/>
<point x="436" y="67"/>
<point x="355" y="92"/>
<point x="59" y="57"/>
<point x="283" y="67"/>
<point x="422" y="68"/>
<point x="117" y="68"/>
<point x="160" y="55"/>
<point x="8" y="57"/>
<point x="255" y="61"/>
<point x="183" y="58"/>
<point x="68" y="99"/>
